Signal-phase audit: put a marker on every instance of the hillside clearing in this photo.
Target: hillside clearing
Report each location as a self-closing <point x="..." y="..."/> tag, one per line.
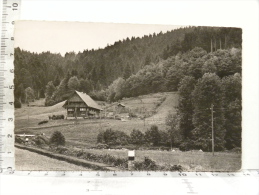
<point x="86" y="131"/>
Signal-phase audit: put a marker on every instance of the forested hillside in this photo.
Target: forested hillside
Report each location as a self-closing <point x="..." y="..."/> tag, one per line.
<point x="91" y="71"/>
<point x="203" y="64"/>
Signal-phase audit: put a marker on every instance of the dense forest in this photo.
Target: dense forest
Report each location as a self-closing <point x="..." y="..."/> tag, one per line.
<point x="203" y="64"/>
<point x="94" y="70"/>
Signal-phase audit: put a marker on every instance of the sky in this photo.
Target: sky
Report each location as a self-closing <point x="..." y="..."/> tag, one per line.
<point x="61" y="37"/>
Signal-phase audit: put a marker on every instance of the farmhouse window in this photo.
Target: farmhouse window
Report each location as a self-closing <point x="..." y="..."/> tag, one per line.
<point x="82" y="109"/>
<point x="70" y="109"/>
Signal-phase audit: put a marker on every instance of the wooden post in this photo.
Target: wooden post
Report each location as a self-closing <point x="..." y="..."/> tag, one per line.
<point x="76" y="113"/>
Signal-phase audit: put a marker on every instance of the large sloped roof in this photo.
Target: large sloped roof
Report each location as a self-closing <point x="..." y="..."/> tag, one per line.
<point x="88" y="100"/>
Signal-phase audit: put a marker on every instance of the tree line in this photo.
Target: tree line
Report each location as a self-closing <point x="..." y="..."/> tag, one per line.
<point x="95" y="70"/>
<point x="202" y="79"/>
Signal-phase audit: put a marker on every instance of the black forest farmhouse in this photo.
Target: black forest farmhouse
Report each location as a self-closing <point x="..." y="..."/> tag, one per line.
<point x="81" y="105"/>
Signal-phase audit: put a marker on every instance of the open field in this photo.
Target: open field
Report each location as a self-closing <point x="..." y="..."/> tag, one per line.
<point x="86" y="131"/>
<point x="82" y="133"/>
<point x="30" y="161"/>
<point x="29" y="116"/>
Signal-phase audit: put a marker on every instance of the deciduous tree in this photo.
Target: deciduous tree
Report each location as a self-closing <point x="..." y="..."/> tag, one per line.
<point x="208" y="91"/>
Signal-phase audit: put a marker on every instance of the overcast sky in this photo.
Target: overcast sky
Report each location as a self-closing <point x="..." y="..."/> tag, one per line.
<point x="62" y="37"/>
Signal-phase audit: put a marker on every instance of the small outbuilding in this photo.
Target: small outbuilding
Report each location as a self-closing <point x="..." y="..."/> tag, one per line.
<point x="80" y="104"/>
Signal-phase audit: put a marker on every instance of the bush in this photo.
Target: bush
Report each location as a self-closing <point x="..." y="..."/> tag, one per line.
<point x="40" y="140"/>
<point x="17" y="104"/>
<point x="164" y="138"/>
<point x="185" y="146"/>
<point x="111" y="137"/>
<point x="62" y="149"/>
<point x="49" y="102"/>
<point x="102" y="146"/>
<point x="100" y="137"/>
<point x="176" y="168"/>
<point x="147" y="165"/>
<point x="57" y="138"/>
<point x="19" y="140"/>
<point x="137" y="137"/>
<point x="152" y="135"/>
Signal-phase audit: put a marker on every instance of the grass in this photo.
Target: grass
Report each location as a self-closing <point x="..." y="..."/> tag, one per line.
<point x="83" y="133"/>
<point x="30" y="161"/>
<point x="86" y="131"/>
<point x="190" y="161"/>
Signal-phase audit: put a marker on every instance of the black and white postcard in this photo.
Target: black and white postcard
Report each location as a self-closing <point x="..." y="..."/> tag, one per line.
<point x="119" y="97"/>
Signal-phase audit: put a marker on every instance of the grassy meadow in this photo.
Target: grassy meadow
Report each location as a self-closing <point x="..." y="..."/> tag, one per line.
<point x="86" y="130"/>
<point x="82" y="133"/>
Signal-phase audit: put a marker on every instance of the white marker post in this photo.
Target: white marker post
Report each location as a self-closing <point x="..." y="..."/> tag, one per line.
<point x="131" y="158"/>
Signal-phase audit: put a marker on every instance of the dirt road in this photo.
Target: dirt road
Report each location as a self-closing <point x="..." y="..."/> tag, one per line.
<point x="30" y="161"/>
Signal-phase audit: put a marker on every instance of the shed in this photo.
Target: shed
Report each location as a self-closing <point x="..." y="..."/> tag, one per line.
<point x="120" y="108"/>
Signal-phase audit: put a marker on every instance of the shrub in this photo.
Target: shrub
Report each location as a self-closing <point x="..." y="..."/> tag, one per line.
<point x="80" y="153"/>
<point x="17" y="104"/>
<point x="100" y="137"/>
<point x="164" y="138"/>
<point x="185" y="146"/>
<point x="19" y="140"/>
<point x="102" y="146"/>
<point x="147" y="165"/>
<point x="176" y="168"/>
<point x="111" y="137"/>
<point x="152" y="135"/>
<point x="57" y="138"/>
<point x="137" y="137"/>
<point x="38" y="141"/>
<point x="122" y="138"/>
<point x="49" y="102"/>
<point x="62" y="149"/>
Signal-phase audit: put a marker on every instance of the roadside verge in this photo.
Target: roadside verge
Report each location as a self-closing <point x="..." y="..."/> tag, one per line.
<point x="69" y="159"/>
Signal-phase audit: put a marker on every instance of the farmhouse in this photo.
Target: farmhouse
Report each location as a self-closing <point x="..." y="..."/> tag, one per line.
<point x="81" y="105"/>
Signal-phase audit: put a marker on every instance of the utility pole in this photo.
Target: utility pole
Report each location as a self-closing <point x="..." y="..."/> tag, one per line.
<point x="212" y="129"/>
